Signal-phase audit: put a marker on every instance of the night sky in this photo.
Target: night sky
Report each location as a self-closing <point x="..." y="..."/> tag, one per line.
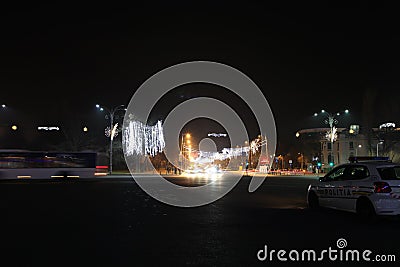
<point x="58" y="61"/>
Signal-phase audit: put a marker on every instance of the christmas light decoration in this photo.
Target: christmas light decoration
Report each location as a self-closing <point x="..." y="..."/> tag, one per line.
<point x="217" y="135"/>
<point x="254" y="146"/>
<point x="331" y="135"/>
<point x="387" y="125"/>
<point x="48" y="128"/>
<point x="111" y="133"/>
<point x="141" y="139"/>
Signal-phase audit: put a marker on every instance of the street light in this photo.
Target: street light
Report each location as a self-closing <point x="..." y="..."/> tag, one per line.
<point x="189" y="146"/>
<point x="377" y="147"/>
<point x="281" y="158"/>
<point x="302" y="159"/>
<point x="248" y="160"/>
<point x="189" y="152"/>
<point x="3" y="106"/>
<point x="359" y="146"/>
<point x="113" y="131"/>
<point x="185" y="149"/>
<point x="331" y="135"/>
<point x="14" y="127"/>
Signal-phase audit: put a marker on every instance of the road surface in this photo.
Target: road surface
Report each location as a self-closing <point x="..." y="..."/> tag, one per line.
<point x="112" y="222"/>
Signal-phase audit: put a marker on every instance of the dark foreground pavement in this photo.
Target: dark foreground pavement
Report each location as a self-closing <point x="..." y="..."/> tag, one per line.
<point x="112" y="222"/>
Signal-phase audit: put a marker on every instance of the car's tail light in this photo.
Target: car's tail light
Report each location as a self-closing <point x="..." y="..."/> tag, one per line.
<point x="382" y="187"/>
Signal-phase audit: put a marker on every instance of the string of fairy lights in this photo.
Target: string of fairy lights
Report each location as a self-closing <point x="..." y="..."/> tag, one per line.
<point x="141" y="139"/>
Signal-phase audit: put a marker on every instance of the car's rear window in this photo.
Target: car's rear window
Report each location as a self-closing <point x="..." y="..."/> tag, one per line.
<point x="390" y="173"/>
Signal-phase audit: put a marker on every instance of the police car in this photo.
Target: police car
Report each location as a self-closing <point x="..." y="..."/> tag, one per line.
<point x="368" y="186"/>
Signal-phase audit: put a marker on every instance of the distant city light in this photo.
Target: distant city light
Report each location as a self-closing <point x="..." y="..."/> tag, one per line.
<point x="14" y="127"/>
<point x="218" y="134"/>
<point x="315" y="114"/>
<point x="101" y="109"/>
<point x="297" y="134"/>
<point x="354" y="129"/>
<point x="346" y="111"/>
<point x="85" y="129"/>
<point x="97" y="105"/>
<point x="48" y="128"/>
<point x="3" y="106"/>
<point x="387" y="125"/>
<point x="323" y="111"/>
<point x="338" y="114"/>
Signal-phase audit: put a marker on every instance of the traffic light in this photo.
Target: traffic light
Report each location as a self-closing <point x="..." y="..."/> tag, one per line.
<point x="319" y="164"/>
<point x="331" y="164"/>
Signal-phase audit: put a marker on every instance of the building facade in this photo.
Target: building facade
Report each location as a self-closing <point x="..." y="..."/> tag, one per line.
<point x="347" y="142"/>
<point x="345" y="146"/>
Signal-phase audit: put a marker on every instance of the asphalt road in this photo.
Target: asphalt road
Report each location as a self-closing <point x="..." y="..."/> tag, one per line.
<point x="112" y="222"/>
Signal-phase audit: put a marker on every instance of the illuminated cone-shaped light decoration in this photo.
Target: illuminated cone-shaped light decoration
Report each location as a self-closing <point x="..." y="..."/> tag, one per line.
<point x="142" y="139"/>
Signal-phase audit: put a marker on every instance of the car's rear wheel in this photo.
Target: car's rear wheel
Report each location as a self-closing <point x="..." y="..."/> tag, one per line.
<point x="365" y="210"/>
<point x="313" y="201"/>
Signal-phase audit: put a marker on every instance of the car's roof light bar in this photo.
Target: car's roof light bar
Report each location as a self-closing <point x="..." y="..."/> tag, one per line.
<point x="366" y="158"/>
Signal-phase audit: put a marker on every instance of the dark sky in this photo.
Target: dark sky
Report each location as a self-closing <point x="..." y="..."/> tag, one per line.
<point x="57" y="61"/>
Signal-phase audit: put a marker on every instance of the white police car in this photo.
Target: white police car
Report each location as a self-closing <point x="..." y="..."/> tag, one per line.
<point x="368" y="186"/>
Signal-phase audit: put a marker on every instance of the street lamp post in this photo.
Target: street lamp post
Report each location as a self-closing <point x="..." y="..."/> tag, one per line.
<point x="377" y="147"/>
<point x="302" y="160"/>
<point x="332" y="134"/>
<point x="246" y="162"/>
<point x="189" y="148"/>
<point x="250" y="157"/>
<point x="331" y="120"/>
<point x="113" y="131"/>
<point x="185" y="149"/>
<point x="283" y="161"/>
<point x="359" y="146"/>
